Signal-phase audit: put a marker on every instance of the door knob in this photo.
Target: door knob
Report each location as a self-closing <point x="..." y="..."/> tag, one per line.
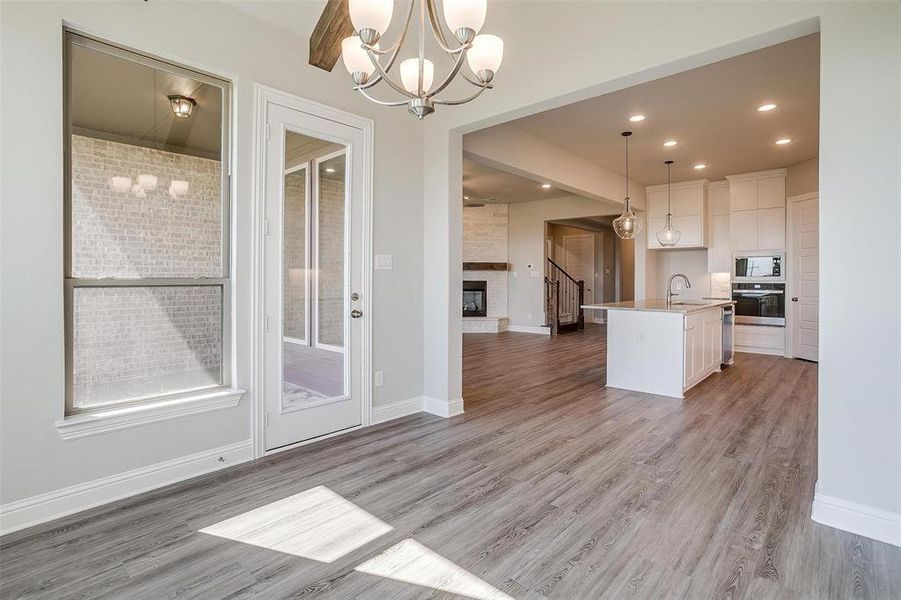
<point x="795" y="299"/>
<point x="356" y="314"/>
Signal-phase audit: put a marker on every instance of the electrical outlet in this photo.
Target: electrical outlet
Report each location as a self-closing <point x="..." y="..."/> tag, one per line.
<point x="379" y="377"/>
<point x="383" y="262"/>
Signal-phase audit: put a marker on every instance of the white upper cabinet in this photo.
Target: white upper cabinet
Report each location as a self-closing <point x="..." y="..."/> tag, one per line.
<point x="689" y="213"/>
<point x="757" y="211"/>
<point x="719" y="245"/>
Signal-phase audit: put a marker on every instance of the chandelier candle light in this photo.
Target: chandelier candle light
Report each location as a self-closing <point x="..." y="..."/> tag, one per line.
<point x="464" y="18"/>
<point x="668" y="236"/>
<point x="627" y="225"/>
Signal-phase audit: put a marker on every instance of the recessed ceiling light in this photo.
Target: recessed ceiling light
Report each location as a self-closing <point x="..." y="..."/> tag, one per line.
<point x="466" y="197"/>
<point x="545" y="186"/>
<point x="670" y="143"/>
<point x="784" y="141"/>
<point x="700" y="166"/>
<point x="329" y="170"/>
<point x="765" y="107"/>
<point x="636" y="118"/>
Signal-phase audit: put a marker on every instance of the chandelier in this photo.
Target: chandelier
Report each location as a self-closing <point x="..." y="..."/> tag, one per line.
<point x="628" y="224"/>
<point x="363" y="55"/>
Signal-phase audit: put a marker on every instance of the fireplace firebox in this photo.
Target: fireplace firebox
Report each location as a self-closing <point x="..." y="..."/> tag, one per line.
<point x="475" y="298"/>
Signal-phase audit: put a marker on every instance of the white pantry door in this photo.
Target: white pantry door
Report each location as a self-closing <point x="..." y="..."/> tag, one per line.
<point x="313" y="277"/>
<point x="805" y="276"/>
<point x="578" y="260"/>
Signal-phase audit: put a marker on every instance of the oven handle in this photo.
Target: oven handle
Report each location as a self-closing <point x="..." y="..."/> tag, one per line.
<point x="757" y="293"/>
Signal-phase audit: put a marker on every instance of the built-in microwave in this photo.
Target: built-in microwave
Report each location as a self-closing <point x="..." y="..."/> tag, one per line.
<point x="758" y="267"/>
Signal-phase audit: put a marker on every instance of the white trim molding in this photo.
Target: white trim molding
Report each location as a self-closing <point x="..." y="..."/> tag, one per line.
<point x="114" y="419"/>
<point x="396" y="410"/>
<point x="442" y="408"/>
<point x="66" y="501"/>
<point x="857" y="518"/>
<point x="541" y="330"/>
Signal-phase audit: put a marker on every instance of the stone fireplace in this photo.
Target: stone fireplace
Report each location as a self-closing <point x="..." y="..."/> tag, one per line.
<point x="475" y="298"/>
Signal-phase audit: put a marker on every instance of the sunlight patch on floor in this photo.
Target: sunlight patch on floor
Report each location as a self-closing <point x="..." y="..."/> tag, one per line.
<point x="317" y="524"/>
<point x="411" y="562"/>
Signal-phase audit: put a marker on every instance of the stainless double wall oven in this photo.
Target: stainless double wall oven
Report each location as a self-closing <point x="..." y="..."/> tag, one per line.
<point x="758" y="289"/>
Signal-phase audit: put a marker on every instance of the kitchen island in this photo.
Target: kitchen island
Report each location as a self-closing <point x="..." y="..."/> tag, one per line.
<point x="663" y="348"/>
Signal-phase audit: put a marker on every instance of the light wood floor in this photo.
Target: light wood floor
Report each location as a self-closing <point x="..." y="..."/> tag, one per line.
<point x="550" y="486"/>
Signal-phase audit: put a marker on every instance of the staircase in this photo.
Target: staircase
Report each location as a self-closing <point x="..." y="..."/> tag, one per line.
<point x="563" y="299"/>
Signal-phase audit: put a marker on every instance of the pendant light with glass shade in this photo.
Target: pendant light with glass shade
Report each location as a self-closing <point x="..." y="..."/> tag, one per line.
<point x="669" y="235"/>
<point x="627" y="225"/>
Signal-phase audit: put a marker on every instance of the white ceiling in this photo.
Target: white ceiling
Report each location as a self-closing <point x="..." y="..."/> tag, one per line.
<point x="491" y="186"/>
<point x="711" y="111"/>
<point x="127" y="101"/>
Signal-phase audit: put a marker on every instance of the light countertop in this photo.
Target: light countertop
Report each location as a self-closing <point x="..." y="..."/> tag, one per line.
<point x="686" y="306"/>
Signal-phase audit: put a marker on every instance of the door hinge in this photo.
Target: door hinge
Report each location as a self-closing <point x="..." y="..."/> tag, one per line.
<point x="267" y="131"/>
<point x="266" y="227"/>
<point x="266" y="323"/>
<point x="266" y="419"/>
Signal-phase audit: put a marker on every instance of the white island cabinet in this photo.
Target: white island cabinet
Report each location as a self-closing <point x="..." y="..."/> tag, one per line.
<point x="661" y="348"/>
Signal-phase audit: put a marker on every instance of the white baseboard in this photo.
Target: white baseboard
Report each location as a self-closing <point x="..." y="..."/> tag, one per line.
<point x="66" y="501"/>
<point x="529" y="329"/>
<point x="442" y="408"/>
<point x="396" y="410"/>
<point x="857" y="518"/>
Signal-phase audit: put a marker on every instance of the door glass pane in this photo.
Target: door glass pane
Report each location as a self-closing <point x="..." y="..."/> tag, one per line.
<point x="136" y="342"/>
<point x="331" y="252"/>
<point x="294" y="271"/>
<point x="313" y="298"/>
<point x="146" y="184"/>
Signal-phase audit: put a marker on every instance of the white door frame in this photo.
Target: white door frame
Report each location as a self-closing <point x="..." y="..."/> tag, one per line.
<point x="791" y="283"/>
<point x="263" y="97"/>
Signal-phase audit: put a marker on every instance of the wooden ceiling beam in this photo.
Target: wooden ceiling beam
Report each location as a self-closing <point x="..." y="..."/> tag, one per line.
<point x="325" y="42"/>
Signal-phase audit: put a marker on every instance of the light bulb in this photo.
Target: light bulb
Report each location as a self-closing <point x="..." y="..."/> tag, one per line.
<point x="356" y="60"/>
<point x="409" y="75"/>
<point x="371" y="14"/>
<point x="485" y="55"/>
<point x="120" y="184"/>
<point x="178" y="188"/>
<point x="147" y="182"/>
<point x="465" y="14"/>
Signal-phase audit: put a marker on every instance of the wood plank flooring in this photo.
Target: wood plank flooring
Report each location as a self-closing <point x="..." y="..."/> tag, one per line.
<point x="549" y="486"/>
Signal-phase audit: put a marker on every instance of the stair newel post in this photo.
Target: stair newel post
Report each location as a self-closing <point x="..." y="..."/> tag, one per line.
<point x="581" y="285"/>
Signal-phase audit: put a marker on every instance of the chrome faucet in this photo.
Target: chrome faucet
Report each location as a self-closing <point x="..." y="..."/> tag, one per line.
<point x="669" y="286"/>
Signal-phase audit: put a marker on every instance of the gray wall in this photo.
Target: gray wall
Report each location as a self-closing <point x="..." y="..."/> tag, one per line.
<point x="33" y="456"/>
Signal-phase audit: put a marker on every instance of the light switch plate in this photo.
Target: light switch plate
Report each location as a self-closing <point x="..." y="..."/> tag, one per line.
<point x="379" y="377"/>
<point x="383" y="262"/>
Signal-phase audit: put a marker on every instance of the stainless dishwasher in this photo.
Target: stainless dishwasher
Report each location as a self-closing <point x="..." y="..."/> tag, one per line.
<point x="728" y="334"/>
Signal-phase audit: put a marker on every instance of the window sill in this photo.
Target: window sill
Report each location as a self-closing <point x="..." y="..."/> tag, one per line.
<point x="114" y="419"/>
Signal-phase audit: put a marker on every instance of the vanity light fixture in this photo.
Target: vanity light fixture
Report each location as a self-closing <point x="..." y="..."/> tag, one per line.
<point x="783" y="141"/>
<point x="628" y="224"/>
<point x="363" y="58"/>
<point x="766" y="107"/>
<point x="668" y="236"/>
<point x="182" y="106"/>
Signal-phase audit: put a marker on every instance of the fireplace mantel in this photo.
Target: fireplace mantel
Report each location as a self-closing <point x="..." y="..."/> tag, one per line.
<point x="484" y="266"/>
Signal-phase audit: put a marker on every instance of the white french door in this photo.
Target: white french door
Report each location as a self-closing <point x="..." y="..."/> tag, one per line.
<point x="313" y="350"/>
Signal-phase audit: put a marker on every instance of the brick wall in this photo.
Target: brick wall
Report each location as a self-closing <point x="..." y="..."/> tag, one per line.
<point x="138" y="341"/>
<point x="485" y="240"/>
<point x="331" y="261"/>
<point x="295" y="255"/>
